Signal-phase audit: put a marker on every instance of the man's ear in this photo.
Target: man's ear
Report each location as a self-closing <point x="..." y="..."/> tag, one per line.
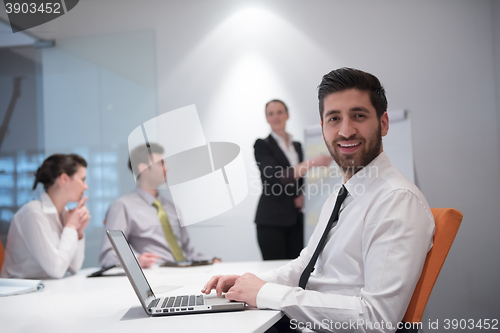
<point x="384" y="124"/>
<point x="322" y="134"/>
<point x="141" y="167"/>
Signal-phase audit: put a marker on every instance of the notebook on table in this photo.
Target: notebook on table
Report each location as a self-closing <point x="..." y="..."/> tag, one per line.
<point x="169" y="305"/>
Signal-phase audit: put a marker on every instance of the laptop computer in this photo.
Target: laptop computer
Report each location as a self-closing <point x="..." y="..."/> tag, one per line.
<point x="169" y="305"/>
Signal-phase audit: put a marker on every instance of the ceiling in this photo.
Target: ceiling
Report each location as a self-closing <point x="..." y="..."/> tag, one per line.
<point x="22" y="38"/>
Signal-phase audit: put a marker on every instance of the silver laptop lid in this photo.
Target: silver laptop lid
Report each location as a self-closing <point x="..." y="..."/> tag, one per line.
<point x="132" y="268"/>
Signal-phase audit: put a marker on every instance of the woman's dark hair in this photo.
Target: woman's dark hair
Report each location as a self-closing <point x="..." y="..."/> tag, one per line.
<point x="276" y="101"/>
<point x="56" y="165"/>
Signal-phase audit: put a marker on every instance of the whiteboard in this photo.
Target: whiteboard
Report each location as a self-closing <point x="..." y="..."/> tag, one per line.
<point x="397" y="144"/>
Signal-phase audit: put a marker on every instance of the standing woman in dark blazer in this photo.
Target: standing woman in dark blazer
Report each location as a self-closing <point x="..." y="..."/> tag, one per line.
<point x="279" y="218"/>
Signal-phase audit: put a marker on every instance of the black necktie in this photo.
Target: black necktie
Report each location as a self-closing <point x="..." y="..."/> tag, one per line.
<point x="331" y="223"/>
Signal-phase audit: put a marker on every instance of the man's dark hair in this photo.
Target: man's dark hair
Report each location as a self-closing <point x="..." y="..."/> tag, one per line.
<point x="140" y="154"/>
<point x="276" y="101"/>
<point x="348" y="78"/>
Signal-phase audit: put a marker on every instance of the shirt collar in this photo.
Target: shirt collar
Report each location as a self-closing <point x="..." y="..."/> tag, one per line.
<point x="280" y="139"/>
<point x="358" y="183"/>
<point x="47" y="205"/>
<point x="145" y="196"/>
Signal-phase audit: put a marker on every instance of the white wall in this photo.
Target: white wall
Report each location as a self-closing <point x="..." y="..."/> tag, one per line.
<point x="435" y="58"/>
<point x="495" y="14"/>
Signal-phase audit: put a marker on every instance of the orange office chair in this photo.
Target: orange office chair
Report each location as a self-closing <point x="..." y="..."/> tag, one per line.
<point x="2" y="255"/>
<point x="447" y="223"/>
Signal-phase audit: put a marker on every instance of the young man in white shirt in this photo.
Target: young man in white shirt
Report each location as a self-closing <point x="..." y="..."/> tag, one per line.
<point x="369" y="265"/>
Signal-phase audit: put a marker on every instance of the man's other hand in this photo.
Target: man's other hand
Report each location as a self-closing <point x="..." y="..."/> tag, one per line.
<point x="147" y="259"/>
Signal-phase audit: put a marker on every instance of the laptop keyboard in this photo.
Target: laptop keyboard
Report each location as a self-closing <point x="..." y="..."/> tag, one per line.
<point x="181" y="301"/>
<point x="154" y="303"/>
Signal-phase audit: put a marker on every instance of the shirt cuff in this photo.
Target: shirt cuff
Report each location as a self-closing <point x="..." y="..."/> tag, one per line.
<point x="271" y="295"/>
<point x="71" y="233"/>
<point x="267" y="276"/>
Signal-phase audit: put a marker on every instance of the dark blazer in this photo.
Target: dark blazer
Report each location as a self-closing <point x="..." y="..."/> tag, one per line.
<point x="279" y="188"/>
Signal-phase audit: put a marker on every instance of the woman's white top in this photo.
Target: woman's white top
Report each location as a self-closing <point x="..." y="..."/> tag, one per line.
<point x="38" y="246"/>
<point x="288" y="149"/>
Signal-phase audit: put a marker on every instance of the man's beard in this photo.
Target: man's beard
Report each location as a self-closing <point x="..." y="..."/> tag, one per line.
<point x="352" y="163"/>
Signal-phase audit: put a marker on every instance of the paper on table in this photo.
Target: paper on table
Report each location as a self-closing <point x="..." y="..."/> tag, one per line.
<point x="10" y="287"/>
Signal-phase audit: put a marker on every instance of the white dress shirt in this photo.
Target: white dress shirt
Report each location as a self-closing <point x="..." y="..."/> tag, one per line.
<point x="38" y="246"/>
<point x="372" y="260"/>
<point x="289" y="150"/>
<point x="135" y="215"/>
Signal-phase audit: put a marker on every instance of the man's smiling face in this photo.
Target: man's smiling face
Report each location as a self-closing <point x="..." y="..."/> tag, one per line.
<point x="351" y="129"/>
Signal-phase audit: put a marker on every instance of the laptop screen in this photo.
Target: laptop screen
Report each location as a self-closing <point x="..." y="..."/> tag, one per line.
<point x="131" y="266"/>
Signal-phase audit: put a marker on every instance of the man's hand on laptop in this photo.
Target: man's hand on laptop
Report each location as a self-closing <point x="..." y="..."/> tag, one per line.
<point x="221" y="284"/>
<point x="245" y="289"/>
<point x="147" y="259"/>
<point x="237" y="288"/>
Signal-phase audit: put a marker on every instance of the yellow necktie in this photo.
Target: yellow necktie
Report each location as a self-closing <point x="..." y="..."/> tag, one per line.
<point x="169" y="234"/>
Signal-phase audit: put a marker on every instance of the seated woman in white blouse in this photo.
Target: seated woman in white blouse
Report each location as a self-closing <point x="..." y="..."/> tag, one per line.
<point x="45" y="239"/>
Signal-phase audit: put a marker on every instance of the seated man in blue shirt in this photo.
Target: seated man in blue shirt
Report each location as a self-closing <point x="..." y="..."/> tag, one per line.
<point x="373" y="234"/>
<point x="149" y="221"/>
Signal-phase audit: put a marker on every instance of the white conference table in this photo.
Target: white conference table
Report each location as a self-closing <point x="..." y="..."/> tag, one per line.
<point x="109" y="304"/>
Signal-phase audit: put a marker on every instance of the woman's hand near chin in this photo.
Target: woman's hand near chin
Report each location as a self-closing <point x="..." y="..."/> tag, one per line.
<point x="78" y="218"/>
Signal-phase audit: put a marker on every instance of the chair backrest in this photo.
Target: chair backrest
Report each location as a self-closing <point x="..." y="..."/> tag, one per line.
<point x="447" y="223"/>
<point x="2" y="255"/>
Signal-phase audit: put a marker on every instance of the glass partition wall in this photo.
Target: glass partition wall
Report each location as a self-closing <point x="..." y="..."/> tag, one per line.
<point x="92" y="92"/>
